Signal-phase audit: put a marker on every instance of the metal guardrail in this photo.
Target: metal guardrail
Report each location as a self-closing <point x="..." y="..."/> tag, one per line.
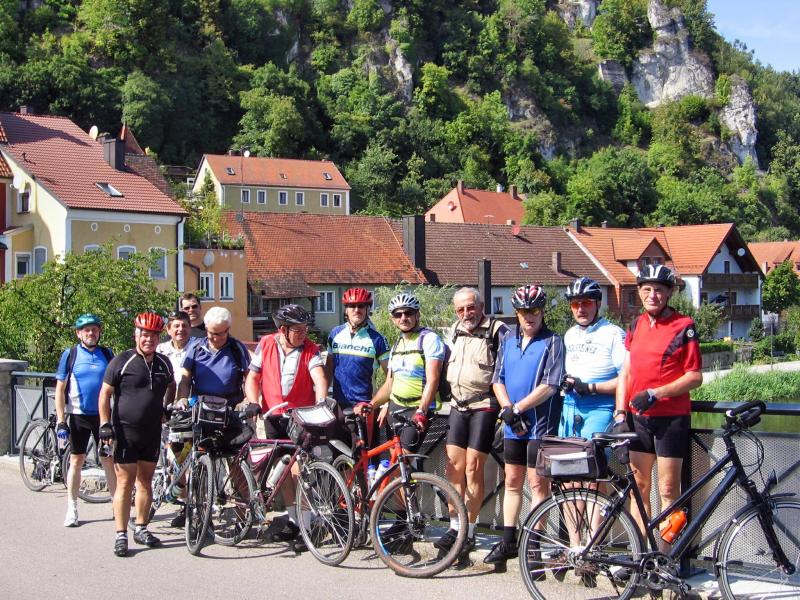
<point x="32" y="397"/>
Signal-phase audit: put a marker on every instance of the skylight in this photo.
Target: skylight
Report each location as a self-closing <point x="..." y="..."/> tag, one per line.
<point x="230" y="171"/>
<point x="327" y="176"/>
<point x="283" y="176"/>
<point x="109" y="189"/>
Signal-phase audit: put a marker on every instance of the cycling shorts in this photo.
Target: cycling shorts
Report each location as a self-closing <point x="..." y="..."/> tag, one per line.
<point x="583" y="421"/>
<point x="472" y="429"/>
<point x="410" y="438"/>
<point x="132" y="444"/>
<point x="81" y="427"/>
<point x="667" y="437"/>
<point x="520" y="452"/>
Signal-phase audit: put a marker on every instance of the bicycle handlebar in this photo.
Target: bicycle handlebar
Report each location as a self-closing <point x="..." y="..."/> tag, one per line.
<point x="747" y="414"/>
<point x="733" y="412"/>
<point x="275" y="408"/>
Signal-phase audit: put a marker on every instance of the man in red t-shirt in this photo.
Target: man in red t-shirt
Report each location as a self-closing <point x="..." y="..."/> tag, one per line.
<point x="662" y="365"/>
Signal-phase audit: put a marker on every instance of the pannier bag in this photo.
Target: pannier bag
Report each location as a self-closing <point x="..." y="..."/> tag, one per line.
<point x="570" y="458"/>
<point x="180" y="427"/>
<point x="212" y="413"/>
<point x="312" y="420"/>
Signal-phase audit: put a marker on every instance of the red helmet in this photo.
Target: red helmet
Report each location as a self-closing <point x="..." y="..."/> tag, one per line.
<point x="357" y="296"/>
<point x="149" y="322"/>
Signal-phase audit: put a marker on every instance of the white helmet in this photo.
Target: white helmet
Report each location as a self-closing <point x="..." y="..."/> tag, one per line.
<point x="403" y="300"/>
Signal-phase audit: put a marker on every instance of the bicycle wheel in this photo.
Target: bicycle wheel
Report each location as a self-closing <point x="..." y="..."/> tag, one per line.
<point x="746" y="566"/>
<point x="94" y="487"/>
<point x="409" y="517"/>
<point x="37" y="455"/>
<point x="200" y="491"/>
<point x="558" y="529"/>
<point x="344" y="465"/>
<point x="231" y="511"/>
<point x="325" y="507"/>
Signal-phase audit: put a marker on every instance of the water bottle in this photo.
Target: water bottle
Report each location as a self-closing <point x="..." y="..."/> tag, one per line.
<point x="371" y="471"/>
<point x="384" y="466"/>
<point x="674" y="525"/>
<point x="174" y="492"/>
<point x="62" y="437"/>
<point x="192" y="401"/>
<point x="277" y="471"/>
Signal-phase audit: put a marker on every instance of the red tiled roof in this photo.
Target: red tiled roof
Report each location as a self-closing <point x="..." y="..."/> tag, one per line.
<point x="67" y="162"/>
<point x="322" y="249"/>
<point x="452" y="251"/>
<point x="5" y="170"/>
<point x="253" y="170"/>
<point x="477" y="206"/>
<point x="284" y="287"/>
<point x="131" y="143"/>
<point x="3" y="138"/>
<point x="693" y="247"/>
<point x="775" y="253"/>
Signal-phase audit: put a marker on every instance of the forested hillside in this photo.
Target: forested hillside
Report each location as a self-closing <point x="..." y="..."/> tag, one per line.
<point x="409" y="96"/>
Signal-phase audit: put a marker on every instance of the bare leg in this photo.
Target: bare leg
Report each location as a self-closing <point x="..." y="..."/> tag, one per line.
<point x="74" y="476"/>
<point x="126" y="476"/>
<point x="144" y="490"/>
<point x="642" y="465"/>
<point x="476" y="461"/>
<point x="512" y="498"/>
<point x="111" y="476"/>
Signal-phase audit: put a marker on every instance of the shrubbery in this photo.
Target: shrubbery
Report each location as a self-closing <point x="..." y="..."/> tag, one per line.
<point x="716" y="346"/>
<point x="743" y="385"/>
<point x="783" y="342"/>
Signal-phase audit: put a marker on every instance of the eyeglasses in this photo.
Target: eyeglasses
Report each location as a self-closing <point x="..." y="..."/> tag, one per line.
<point x="530" y="311"/>
<point x="464" y="309"/>
<point x="399" y="314"/>
<point x="356" y="305"/>
<point x="217" y="333"/>
<point x="297" y="329"/>
<point x="581" y="303"/>
<point x="191" y="307"/>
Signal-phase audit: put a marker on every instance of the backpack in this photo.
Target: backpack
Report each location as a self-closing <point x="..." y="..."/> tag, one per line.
<point x="492" y="335"/>
<point x="73" y="355"/>
<point x="443" y="391"/>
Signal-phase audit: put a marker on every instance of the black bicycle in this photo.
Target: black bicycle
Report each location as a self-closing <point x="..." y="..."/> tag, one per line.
<point x="581" y="543"/>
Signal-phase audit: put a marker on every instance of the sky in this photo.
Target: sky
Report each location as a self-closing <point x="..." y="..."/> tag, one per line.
<point x="770" y="27"/>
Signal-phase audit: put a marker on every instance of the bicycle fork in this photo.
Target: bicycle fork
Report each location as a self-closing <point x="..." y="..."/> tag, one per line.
<point x="763" y="504"/>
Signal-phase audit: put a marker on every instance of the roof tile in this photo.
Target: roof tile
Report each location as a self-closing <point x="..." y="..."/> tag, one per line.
<point x="5" y="170"/>
<point x="477" y="206"/>
<point x="774" y="253"/>
<point x="255" y="170"/>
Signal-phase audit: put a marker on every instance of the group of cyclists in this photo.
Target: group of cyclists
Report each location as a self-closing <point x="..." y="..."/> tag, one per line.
<point x="536" y="383"/>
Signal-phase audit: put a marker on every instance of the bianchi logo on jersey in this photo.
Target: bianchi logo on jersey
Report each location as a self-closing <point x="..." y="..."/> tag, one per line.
<point x="352" y="348"/>
<point x="690" y="333"/>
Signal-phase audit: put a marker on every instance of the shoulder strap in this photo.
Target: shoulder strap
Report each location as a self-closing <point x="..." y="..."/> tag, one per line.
<point x="107" y="352"/>
<point x="493" y="335"/>
<point x="73" y="355"/>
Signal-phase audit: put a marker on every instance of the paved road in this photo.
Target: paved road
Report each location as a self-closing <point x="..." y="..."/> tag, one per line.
<point x="39" y="558"/>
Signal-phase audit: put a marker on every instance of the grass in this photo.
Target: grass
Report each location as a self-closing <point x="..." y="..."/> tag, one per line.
<point x="743" y="385"/>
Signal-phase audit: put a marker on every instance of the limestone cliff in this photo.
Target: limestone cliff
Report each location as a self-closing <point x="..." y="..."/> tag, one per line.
<point x="739" y="116"/>
<point x="578" y="12"/>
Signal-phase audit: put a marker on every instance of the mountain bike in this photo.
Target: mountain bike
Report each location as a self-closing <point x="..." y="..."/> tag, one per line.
<point x="405" y="511"/>
<point x="581" y="543"/>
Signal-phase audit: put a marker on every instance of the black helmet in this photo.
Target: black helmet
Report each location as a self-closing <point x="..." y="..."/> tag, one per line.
<point x="656" y="274"/>
<point x="583" y="287"/>
<point x="291" y="314"/>
<point x="529" y="296"/>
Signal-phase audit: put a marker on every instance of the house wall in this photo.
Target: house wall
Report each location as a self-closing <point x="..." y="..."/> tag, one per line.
<point x="224" y="261"/>
<point x="231" y="200"/>
<point x="442" y="212"/>
<point x="201" y="177"/>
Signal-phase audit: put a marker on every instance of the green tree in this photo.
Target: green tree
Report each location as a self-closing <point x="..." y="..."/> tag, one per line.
<point x="38" y="310"/>
<point x="546" y="209"/>
<point x="433" y="95"/>
<point x="145" y="108"/>
<point x="633" y="124"/>
<point x="366" y="15"/>
<point x="620" y="29"/>
<point x="373" y="181"/>
<point x="204" y="224"/>
<point x="781" y="288"/>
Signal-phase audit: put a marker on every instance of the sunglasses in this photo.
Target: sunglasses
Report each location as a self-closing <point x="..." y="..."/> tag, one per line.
<point x="403" y="313"/>
<point x="581" y="303"/>
<point x="356" y="305"/>
<point x="178" y="314"/>
<point x="191" y="307"/>
<point x="530" y="311"/>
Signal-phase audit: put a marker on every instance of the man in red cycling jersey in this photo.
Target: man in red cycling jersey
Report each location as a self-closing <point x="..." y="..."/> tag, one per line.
<point x="662" y="365"/>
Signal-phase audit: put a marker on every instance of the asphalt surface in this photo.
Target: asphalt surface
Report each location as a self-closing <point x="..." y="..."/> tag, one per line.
<point x="39" y="558"/>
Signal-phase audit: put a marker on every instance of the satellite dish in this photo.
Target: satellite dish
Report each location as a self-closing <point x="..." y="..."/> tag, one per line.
<point x="247" y="153"/>
<point x="515" y="230"/>
<point x="740" y="252"/>
<point x="16" y="183"/>
<point x="94" y="132"/>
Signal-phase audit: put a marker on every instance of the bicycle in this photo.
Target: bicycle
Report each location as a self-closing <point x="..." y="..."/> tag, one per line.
<point x="42" y="463"/>
<point x="584" y="543"/>
<point x="403" y="509"/>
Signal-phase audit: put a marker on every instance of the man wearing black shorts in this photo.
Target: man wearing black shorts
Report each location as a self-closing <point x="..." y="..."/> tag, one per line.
<point x="141" y="382"/>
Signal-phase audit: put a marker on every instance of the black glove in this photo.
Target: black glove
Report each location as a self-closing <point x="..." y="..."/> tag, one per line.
<point x="509" y="416"/>
<point x="251" y="410"/>
<point x="106" y="433"/>
<point x="643" y="401"/>
<point x="580" y="387"/>
<point x="621" y="427"/>
<point x="518" y="423"/>
<point x="567" y="382"/>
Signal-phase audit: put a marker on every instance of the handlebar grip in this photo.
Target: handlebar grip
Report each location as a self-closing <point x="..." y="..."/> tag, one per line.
<point x="746" y="407"/>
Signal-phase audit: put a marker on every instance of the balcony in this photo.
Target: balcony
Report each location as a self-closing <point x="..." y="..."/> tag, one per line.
<point x="726" y="279"/>
<point x="738" y="312"/>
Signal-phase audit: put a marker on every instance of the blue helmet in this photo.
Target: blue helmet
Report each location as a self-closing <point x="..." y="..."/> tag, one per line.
<point x="88" y="319"/>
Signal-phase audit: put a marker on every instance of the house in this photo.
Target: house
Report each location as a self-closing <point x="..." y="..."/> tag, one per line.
<point x="275" y="185"/>
<point x="313" y="259"/>
<point x="466" y="205"/>
<point x="518" y="255"/>
<point x="63" y="191"/>
<point x="713" y="262"/>
<point x="771" y="254"/>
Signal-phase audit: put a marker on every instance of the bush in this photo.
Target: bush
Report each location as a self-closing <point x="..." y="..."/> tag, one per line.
<point x="744" y="385"/>
<point x="718" y="346"/>
<point x="783" y="342"/>
<point x="756" y="330"/>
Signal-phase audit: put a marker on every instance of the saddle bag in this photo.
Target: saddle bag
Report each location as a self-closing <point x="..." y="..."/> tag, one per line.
<point x="570" y="458"/>
<point x="311" y="420"/>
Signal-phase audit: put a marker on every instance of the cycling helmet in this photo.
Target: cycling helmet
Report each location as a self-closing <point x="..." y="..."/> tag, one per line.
<point x="291" y="314"/>
<point x="529" y="296"/>
<point x="149" y="322"/>
<point x="357" y="296"/>
<point x="403" y="300"/>
<point x="656" y="274"/>
<point x="88" y="319"/>
<point x="583" y="287"/>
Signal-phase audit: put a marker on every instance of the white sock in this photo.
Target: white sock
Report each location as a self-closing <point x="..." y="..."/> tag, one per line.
<point x="72" y="504"/>
<point x="455" y="524"/>
<point x="471" y="530"/>
<point x="306" y="516"/>
<point x="292" y="512"/>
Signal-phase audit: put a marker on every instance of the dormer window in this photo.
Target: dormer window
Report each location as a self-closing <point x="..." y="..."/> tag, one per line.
<point x="109" y="189"/>
<point x="327" y="176"/>
<point x="230" y="171"/>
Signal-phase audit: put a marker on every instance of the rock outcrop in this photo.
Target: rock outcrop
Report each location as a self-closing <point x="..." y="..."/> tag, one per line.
<point x="402" y="70"/>
<point x="739" y="116"/>
<point x="578" y="12"/>
<point x="614" y="73"/>
<point x="670" y="70"/>
<point x="524" y="112"/>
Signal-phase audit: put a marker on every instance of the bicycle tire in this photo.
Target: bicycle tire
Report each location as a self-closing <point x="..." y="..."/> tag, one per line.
<point x="405" y="542"/>
<point x="37" y="449"/>
<point x="745" y="559"/>
<point x="231" y="512"/>
<point x="200" y="491"/>
<point x="344" y="465"/>
<point x="94" y="487"/>
<point x="325" y="508"/>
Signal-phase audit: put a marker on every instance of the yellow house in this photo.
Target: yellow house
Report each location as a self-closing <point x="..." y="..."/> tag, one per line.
<point x="63" y="191"/>
<point x="276" y="185"/>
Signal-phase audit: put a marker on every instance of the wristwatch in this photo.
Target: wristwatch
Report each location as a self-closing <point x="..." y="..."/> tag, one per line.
<point x="515" y="409"/>
<point x="620" y="411"/>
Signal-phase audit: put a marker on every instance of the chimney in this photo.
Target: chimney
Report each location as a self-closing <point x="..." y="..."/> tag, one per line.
<point x="460" y="186"/>
<point x="575" y="224"/>
<point x="513" y="191"/>
<point x="556" y="261"/>
<point x="604" y="224"/>
<point x="26" y="110"/>
<point x="510" y="222"/>
<point x="432" y="217"/>
<point x="114" y="152"/>
<point x="485" y="283"/>
<point x="414" y="239"/>
<point x="499" y="188"/>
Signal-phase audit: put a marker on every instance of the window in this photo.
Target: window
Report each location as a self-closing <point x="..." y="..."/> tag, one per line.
<point x="632" y="299"/>
<point x="125" y="251"/>
<point x="327" y="176"/>
<point x="732" y="298"/>
<point x="261" y="196"/>
<point x="323" y="200"/>
<point x="245" y="196"/>
<point x="23" y="261"/>
<point x="726" y="266"/>
<point x="497" y="305"/>
<point x="91" y="248"/>
<point x="299" y="198"/>
<point x="657" y="260"/>
<point x="39" y="258"/>
<point x="159" y="268"/>
<point x="230" y="171"/>
<point x="207" y="285"/>
<point x="23" y="202"/>
<point x="337" y="200"/>
<point x="325" y="302"/>
<point x="703" y="297"/>
<point x="283" y="176"/>
<point x="109" y="189"/>
<point x="283" y="198"/>
<point x="226" y="286"/>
